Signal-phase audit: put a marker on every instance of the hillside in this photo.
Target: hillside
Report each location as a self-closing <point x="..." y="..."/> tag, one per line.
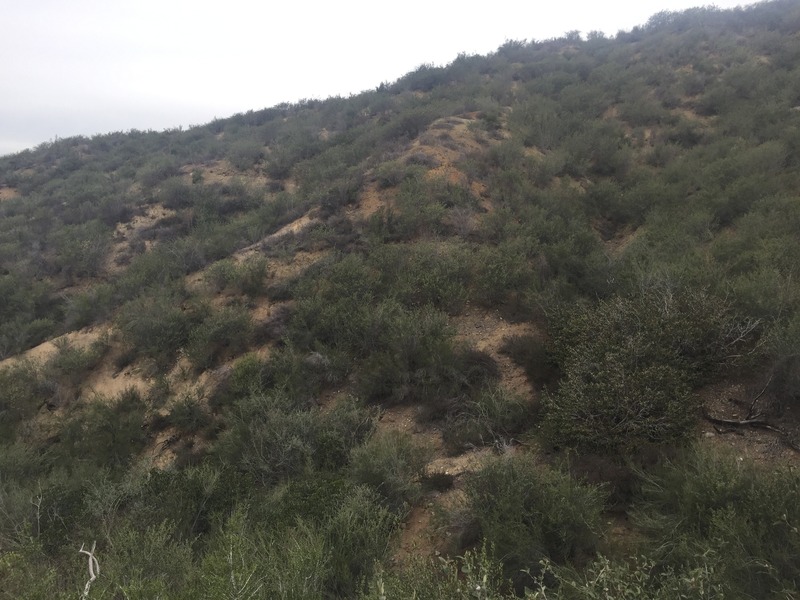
<point x="524" y="325"/>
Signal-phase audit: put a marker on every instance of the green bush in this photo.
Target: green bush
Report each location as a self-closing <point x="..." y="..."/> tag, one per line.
<point x="413" y="358"/>
<point x="424" y="274"/>
<point x="221" y="274"/>
<point x="243" y="563"/>
<point x="274" y="437"/>
<point x="107" y="432"/>
<point x="535" y="355"/>
<point x="223" y="333"/>
<point x="245" y="154"/>
<point x="24" y="390"/>
<point x="357" y="536"/>
<point x="249" y="277"/>
<point x="634" y="579"/>
<point x="69" y="365"/>
<point x="477" y="575"/>
<point x="629" y="366"/>
<point x="188" y="415"/>
<point x="156" y="326"/>
<point x="713" y="504"/>
<point x="143" y="563"/>
<point x="88" y="307"/>
<point x="491" y="416"/>
<point x="528" y="512"/>
<point x="249" y="377"/>
<point x="157" y="170"/>
<point x="392" y="465"/>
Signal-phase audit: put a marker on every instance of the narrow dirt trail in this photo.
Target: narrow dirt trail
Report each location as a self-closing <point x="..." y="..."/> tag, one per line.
<point x="421" y="534"/>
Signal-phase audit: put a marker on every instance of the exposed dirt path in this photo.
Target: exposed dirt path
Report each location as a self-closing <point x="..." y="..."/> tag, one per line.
<point x="486" y="331"/>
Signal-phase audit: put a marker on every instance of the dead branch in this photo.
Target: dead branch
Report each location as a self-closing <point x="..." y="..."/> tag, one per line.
<point x="94" y="569"/>
<point x="751" y="411"/>
<point x="754" y="422"/>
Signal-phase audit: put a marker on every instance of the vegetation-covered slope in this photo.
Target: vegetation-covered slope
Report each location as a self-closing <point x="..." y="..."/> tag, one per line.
<point x="493" y="310"/>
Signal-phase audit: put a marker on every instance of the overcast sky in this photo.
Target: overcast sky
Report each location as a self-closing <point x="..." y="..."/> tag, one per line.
<point x="70" y="67"/>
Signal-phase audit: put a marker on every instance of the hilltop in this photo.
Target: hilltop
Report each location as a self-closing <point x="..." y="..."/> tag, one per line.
<point x="498" y="325"/>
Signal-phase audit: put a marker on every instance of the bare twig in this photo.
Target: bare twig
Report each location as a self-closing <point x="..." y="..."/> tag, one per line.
<point x="759" y="423"/>
<point x="94" y="569"/>
<point x="751" y="412"/>
<point x="38" y="504"/>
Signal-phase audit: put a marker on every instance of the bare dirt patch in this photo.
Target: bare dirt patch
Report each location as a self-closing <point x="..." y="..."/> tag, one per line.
<point x="731" y="401"/>
<point x="486" y="331"/>
<point x="370" y="201"/>
<point x="8" y="193"/>
<point x="293" y="266"/>
<point x="45" y="350"/>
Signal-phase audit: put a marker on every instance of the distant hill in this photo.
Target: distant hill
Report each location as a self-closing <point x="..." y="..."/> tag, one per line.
<point x="497" y="325"/>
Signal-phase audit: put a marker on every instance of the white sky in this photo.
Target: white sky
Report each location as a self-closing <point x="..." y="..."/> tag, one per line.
<point x="70" y="67"/>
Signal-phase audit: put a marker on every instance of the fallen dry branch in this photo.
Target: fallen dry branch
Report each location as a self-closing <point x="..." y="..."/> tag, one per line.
<point x="758" y="423"/>
<point x="94" y="569"/>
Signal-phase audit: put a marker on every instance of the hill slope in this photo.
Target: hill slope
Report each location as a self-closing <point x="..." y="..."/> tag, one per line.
<point x="542" y="302"/>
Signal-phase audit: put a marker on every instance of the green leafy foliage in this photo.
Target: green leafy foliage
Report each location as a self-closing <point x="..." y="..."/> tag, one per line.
<point x="158" y="325"/>
<point x="392" y="465"/>
<point x="492" y="416"/>
<point x="108" y="432"/>
<point x="528" y="512"/>
<point x="713" y="508"/>
<point x="629" y="366"/>
<point x="226" y="331"/>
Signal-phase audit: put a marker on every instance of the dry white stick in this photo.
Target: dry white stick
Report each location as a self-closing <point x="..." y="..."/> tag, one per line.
<point x="94" y="569"/>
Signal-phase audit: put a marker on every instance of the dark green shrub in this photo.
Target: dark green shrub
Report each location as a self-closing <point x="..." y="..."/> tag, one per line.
<point x="223" y="333"/>
<point x="80" y="250"/>
<point x="713" y="504"/>
<point x="221" y="274"/>
<point x="250" y="275"/>
<point x="144" y="562"/>
<point x="477" y="574"/>
<point x="629" y="365"/>
<point x="638" y="578"/>
<point x="528" y="512"/>
<point x="88" y="307"/>
<point x="342" y="430"/>
<point x="413" y="359"/>
<point x="423" y="274"/>
<point x="156" y="326"/>
<point x="157" y="170"/>
<point x="245" y="154"/>
<point x="357" y="537"/>
<point x="70" y="364"/>
<point x="392" y="464"/>
<point x="176" y="194"/>
<point x="274" y="437"/>
<point x="503" y="274"/>
<point x="390" y="174"/>
<point x="491" y="416"/>
<point x="535" y="355"/>
<point x="107" y="432"/>
<point x="249" y="377"/>
<point x="605" y="404"/>
<point x="188" y="415"/>
<point x="23" y="392"/>
<point x="266" y="441"/>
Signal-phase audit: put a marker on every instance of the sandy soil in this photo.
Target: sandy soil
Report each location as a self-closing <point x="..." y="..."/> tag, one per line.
<point x="7" y="193"/>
